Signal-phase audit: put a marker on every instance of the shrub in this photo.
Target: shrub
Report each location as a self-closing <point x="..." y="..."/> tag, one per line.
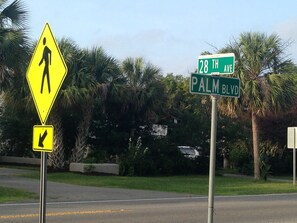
<point x="162" y="158"/>
<point x="89" y="168"/>
<point x="269" y="152"/>
<point x="137" y="160"/>
<point x="240" y="157"/>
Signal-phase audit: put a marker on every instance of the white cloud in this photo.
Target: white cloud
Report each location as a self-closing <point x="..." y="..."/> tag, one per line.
<point x="124" y="45"/>
<point x="288" y="32"/>
<point x="157" y="46"/>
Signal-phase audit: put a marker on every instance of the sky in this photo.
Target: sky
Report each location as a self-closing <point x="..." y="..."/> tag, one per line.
<point x="169" y="34"/>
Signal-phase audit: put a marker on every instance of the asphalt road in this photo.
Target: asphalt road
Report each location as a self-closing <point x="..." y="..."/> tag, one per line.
<point x="90" y="205"/>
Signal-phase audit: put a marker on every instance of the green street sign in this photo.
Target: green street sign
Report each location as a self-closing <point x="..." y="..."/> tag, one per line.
<point x="215" y="85"/>
<point x="216" y="64"/>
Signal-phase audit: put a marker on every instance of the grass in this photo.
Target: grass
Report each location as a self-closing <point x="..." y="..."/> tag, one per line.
<point x="20" y="166"/>
<point x="10" y="194"/>
<point x="196" y="185"/>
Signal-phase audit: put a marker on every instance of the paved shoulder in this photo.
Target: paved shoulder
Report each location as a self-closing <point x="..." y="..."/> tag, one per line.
<point x="12" y="172"/>
<point x="69" y="192"/>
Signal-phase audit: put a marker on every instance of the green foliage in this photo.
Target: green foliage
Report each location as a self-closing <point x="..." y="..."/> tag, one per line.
<point x="264" y="89"/>
<point x="10" y="194"/>
<point x="167" y="159"/>
<point x="179" y="184"/>
<point x="240" y="157"/>
<point x="161" y="158"/>
<point x="136" y="161"/>
<point x="191" y="113"/>
<point x="229" y="131"/>
<point x="265" y="169"/>
<point x="274" y="130"/>
<point x="125" y="99"/>
<point x="16" y="131"/>
<point x="268" y="150"/>
<point x="89" y="168"/>
<point x="14" y="44"/>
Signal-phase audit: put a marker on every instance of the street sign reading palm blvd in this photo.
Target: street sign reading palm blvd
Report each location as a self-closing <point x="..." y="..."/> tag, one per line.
<point x="46" y="73"/>
<point x="216" y="64"/>
<point x="215" y="85"/>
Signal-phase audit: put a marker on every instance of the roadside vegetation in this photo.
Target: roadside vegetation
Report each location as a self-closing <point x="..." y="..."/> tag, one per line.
<point x="191" y="184"/>
<point x="10" y="195"/>
<point x="186" y="184"/>
<point x="106" y="109"/>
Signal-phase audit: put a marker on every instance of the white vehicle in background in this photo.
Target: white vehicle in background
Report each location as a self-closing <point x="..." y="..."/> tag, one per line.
<point x="189" y="151"/>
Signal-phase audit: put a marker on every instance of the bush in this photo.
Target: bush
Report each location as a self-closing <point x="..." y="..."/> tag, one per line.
<point x="137" y="160"/>
<point x="240" y="157"/>
<point x="201" y="165"/>
<point x="270" y="153"/>
<point x="161" y="158"/>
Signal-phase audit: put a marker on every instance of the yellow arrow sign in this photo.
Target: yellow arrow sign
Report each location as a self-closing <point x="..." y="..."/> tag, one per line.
<point x="46" y="73"/>
<point x="43" y="137"/>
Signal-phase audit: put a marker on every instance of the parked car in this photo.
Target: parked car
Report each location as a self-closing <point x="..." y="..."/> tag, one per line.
<point x="189" y="151"/>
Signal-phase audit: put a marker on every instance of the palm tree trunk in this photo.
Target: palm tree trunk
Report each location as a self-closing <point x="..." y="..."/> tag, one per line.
<point x="226" y="159"/>
<point x="256" y="146"/>
<point x="226" y="163"/>
<point x="56" y="159"/>
<point x="82" y="135"/>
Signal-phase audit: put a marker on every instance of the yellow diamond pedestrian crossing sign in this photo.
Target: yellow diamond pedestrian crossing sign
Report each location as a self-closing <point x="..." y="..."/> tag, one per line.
<point x="46" y="73"/>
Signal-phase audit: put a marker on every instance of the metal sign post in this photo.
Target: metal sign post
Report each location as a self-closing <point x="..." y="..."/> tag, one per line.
<point x="209" y="82"/>
<point x="294" y="165"/>
<point x="43" y="173"/>
<point x="45" y="75"/>
<point x="292" y="144"/>
<point x="212" y="162"/>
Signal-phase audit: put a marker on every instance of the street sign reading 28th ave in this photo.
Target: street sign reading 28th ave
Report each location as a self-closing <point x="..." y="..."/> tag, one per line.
<point x="208" y="80"/>
<point x="216" y="64"/>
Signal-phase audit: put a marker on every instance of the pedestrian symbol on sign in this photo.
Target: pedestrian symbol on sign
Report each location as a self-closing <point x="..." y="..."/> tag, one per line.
<point x="47" y="58"/>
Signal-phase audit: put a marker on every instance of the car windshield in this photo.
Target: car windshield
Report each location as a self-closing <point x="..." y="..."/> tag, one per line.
<point x="189" y="151"/>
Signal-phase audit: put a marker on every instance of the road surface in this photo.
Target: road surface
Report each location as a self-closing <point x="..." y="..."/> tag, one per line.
<point x="75" y="204"/>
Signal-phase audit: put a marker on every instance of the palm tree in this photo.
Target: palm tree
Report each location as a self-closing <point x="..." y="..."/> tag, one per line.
<point x="15" y="50"/>
<point x="140" y="94"/>
<point x="264" y="90"/>
<point x="102" y="71"/>
<point x="14" y="44"/>
<point x="90" y="73"/>
<point x="74" y="90"/>
<point x="14" y="55"/>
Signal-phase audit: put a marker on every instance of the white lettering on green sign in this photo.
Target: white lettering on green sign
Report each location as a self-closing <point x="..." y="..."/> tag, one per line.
<point x="230" y="89"/>
<point x="228" y="68"/>
<point x="208" y="85"/>
<point x="216" y="64"/>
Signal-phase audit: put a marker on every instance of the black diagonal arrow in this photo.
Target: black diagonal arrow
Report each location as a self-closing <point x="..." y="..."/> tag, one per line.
<point x="42" y="138"/>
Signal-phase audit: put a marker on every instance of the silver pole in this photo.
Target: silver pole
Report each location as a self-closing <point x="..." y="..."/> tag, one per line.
<point x="294" y="165"/>
<point x="212" y="161"/>
<point x="294" y="156"/>
<point x="43" y="171"/>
